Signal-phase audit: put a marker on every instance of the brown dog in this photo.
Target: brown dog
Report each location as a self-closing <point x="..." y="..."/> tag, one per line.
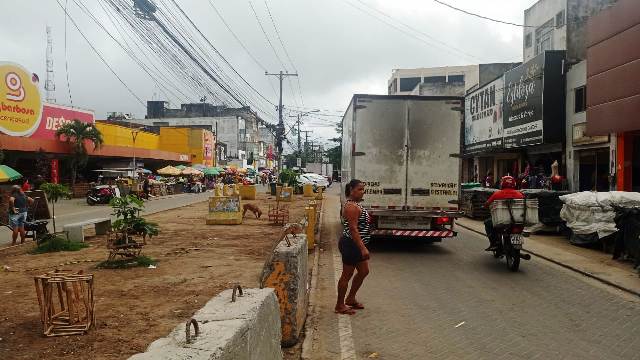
<point x="254" y="209"/>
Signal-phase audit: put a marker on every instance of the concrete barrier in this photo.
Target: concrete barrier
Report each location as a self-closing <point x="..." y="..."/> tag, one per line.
<point x="287" y="274"/>
<point x="247" y="329"/>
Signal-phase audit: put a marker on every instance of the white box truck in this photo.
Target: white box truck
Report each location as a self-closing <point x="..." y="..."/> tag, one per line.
<point x="406" y="151"/>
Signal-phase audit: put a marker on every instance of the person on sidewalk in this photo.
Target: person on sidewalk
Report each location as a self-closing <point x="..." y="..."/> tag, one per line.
<point x="18" y="207"/>
<point x="353" y="248"/>
<point x="507" y="191"/>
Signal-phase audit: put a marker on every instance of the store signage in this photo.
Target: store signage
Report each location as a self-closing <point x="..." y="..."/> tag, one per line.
<point x="523" y="125"/>
<point x="20" y="100"/>
<point x="54" y="116"/>
<point x="580" y="136"/>
<point x="483" y="125"/>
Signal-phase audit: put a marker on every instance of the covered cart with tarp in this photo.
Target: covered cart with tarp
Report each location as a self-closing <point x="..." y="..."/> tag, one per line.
<point x="591" y="215"/>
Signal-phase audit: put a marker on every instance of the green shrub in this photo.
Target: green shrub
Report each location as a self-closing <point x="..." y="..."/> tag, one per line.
<point x="140" y="261"/>
<point x="56" y="244"/>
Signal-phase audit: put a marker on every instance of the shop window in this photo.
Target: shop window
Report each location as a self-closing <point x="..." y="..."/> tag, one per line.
<point x="408" y="84"/>
<point x="580" y="103"/>
<point x="544" y="37"/>
<point x="435" y="79"/>
<point x="528" y="40"/>
<point x="456" y="79"/>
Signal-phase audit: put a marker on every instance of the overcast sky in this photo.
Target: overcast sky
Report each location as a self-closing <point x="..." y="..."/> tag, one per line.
<point x="337" y="49"/>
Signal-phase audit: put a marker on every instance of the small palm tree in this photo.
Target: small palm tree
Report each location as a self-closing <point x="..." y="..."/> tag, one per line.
<point x="77" y="133"/>
<point x="54" y="193"/>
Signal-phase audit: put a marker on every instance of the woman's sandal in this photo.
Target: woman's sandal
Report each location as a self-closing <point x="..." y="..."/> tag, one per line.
<point x="347" y="311"/>
<point x="356" y="305"/>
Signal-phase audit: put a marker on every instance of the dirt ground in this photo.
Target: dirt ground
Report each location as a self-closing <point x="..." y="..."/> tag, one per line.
<point x="136" y="306"/>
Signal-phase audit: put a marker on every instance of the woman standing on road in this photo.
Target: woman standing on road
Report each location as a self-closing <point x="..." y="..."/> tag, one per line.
<point x="353" y="248"/>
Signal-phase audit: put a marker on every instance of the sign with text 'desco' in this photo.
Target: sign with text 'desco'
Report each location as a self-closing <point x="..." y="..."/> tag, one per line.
<point x="20" y="100"/>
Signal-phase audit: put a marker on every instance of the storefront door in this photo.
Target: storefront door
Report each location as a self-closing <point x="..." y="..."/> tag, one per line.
<point x="594" y="170"/>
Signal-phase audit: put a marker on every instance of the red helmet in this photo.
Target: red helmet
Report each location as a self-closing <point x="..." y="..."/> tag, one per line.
<point x="507" y="182"/>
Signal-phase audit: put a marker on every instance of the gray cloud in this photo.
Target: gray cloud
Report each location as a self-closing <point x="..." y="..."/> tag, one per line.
<point x="337" y="49"/>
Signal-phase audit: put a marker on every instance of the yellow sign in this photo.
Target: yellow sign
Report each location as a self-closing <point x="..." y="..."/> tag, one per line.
<point x="20" y="101"/>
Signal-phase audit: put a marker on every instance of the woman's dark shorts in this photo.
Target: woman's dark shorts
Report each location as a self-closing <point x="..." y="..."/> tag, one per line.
<point x="351" y="254"/>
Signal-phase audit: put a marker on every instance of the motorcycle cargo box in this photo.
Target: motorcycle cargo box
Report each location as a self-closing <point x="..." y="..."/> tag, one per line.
<point x="524" y="211"/>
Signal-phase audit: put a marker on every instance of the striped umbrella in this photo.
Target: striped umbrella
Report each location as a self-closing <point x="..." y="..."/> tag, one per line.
<point x="8" y="174"/>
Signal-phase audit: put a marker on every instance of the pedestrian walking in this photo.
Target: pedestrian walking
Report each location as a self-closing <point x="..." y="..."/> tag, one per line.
<point x="353" y="248"/>
<point x="18" y="207"/>
<point x="146" y="187"/>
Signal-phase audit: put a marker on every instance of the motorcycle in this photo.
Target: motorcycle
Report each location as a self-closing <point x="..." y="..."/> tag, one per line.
<point x="101" y="194"/>
<point x="510" y="241"/>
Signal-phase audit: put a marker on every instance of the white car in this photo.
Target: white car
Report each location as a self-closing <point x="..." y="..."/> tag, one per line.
<point x="313" y="179"/>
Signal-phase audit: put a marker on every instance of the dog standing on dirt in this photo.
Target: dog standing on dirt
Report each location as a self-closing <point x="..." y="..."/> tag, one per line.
<point x="254" y="209"/>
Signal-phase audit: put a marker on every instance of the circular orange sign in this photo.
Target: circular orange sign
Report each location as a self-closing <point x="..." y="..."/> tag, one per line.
<point x="20" y="100"/>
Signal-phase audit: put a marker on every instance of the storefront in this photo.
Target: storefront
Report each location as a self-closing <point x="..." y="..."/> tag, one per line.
<point x="517" y="121"/>
<point x="483" y="131"/>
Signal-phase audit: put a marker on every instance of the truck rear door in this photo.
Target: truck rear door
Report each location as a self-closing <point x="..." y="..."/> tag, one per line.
<point x="433" y="137"/>
<point x="379" y="148"/>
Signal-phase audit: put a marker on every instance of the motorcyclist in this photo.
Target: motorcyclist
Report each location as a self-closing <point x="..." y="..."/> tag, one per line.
<point x="507" y="191"/>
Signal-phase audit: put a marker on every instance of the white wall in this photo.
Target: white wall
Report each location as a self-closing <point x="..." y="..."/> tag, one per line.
<point x="470" y="72"/>
<point x="577" y="77"/>
<point x="537" y="15"/>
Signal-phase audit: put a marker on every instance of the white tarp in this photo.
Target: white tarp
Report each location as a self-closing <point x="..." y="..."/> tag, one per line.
<point x="592" y="212"/>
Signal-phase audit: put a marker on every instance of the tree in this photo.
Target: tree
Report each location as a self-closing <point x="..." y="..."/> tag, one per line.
<point x="54" y="193"/>
<point x="76" y="134"/>
<point x="335" y="153"/>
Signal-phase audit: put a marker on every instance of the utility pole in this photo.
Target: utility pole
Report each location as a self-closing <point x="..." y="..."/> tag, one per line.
<point x="306" y="145"/>
<point x="280" y="129"/>
<point x="50" y="84"/>
<point x="299" y="117"/>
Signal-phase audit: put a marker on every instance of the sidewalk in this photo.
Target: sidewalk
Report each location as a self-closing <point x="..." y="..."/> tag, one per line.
<point x="591" y="263"/>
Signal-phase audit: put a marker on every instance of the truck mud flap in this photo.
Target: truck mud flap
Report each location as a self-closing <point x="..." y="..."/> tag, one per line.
<point x="415" y="233"/>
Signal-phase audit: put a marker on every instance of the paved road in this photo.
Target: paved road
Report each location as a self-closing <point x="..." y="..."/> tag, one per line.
<point x="76" y="210"/>
<point x="453" y="301"/>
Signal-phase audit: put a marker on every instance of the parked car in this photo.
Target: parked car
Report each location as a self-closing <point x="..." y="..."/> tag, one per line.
<point x="316" y="180"/>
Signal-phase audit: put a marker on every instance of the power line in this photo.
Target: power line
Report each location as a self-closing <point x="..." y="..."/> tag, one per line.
<point x="241" y="43"/>
<point x="219" y="54"/>
<point x="397" y="28"/>
<point x="266" y="36"/>
<point x="482" y="16"/>
<point x="100" y="55"/>
<point x="432" y="38"/>
<point x="129" y="51"/>
<point x="273" y="22"/>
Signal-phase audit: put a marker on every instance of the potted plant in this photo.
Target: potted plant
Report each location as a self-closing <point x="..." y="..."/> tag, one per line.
<point x="129" y="223"/>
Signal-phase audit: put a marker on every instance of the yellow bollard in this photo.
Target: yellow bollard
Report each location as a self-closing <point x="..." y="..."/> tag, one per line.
<point x="218" y="190"/>
<point x="307" y="190"/>
<point x="311" y="227"/>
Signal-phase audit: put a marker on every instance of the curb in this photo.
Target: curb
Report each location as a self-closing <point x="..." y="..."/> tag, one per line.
<point x="309" y="325"/>
<point x="569" y="267"/>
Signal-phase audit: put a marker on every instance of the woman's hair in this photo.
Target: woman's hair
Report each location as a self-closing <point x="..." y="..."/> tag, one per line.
<point x="350" y="186"/>
<point x="15" y="189"/>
